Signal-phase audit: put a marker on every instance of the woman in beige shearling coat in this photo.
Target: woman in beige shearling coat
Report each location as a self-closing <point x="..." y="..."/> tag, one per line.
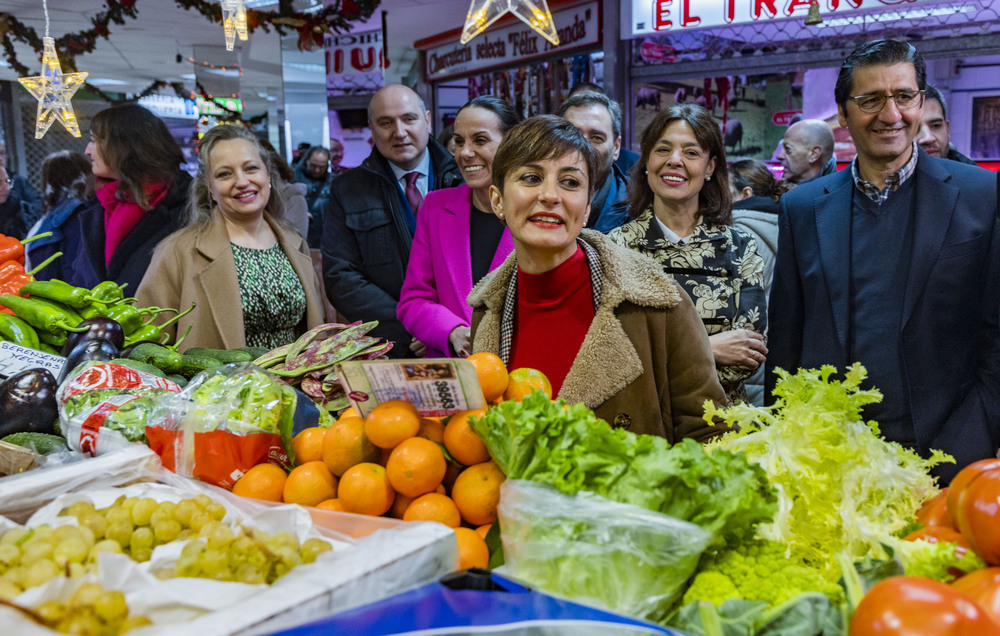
<point x="248" y="272"/>
<point x="643" y="361"/>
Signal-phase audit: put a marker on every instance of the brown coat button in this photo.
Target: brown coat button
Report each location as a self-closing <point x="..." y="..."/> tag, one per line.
<point x="623" y="420"/>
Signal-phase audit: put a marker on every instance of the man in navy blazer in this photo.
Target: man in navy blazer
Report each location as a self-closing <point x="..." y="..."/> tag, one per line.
<point x="895" y="262"/>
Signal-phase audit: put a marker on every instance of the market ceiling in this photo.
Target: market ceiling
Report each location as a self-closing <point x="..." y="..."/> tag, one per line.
<point x="147" y="48"/>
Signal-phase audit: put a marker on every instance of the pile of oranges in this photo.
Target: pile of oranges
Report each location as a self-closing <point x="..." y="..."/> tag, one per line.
<point x="396" y="463"/>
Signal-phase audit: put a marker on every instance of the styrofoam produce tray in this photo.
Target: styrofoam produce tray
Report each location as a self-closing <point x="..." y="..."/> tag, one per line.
<point x="373" y="558"/>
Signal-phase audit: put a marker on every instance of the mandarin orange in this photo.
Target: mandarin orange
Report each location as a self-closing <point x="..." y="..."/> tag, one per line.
<point x="263" y="481"/>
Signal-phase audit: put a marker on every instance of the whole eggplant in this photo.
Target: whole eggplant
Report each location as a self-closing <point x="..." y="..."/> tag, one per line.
<point x="28" y="403"/>
<point x="97" y="327"/>
<point x="97" y="349"/>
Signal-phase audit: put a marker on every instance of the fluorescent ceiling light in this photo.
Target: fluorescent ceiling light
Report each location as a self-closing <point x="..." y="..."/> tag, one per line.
<point x="309" y="68"/>
<point x="107" y="82"/>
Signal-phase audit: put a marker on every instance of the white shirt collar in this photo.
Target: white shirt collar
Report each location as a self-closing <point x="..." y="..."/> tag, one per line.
<point x="423" y="168"/>
<point x="670" y="234"/>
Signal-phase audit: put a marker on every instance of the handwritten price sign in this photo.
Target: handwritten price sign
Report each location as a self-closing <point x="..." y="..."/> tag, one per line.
<point x="15" y="358"/>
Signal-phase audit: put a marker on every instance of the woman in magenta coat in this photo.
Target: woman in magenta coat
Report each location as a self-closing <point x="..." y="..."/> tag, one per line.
<point x="458" y="239"/>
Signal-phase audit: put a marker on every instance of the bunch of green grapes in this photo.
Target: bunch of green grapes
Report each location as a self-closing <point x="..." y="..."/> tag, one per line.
<point x="131" y="526"/>
<point x="32" y="556"/>
<point x="246" y="555"/>
<point x="91" y="610"/>
<point x="139" y="525"/>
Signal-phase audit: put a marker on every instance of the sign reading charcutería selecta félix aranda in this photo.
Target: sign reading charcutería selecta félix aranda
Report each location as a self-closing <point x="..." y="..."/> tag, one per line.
<point x="513" y="43"/>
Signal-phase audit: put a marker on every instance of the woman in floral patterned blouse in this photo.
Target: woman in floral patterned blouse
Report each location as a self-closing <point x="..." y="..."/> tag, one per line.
<point x="681" y="212"/>
<point x="247" y="271"/>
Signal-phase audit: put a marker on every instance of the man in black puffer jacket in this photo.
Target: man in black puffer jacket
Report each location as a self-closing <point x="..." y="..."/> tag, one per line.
<point x="372" y="213"/>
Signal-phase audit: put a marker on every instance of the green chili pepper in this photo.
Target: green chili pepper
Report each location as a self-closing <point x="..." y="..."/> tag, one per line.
<point x="109" y="291"/>
<point x="153" y="332"/>
<point x="72" y="317"/>
<point x="47" y="348"/>
<point x="54" y="338"/>
<point x="15" y="330"/>
<point x="129" y="317"/>
<point x="39" y="314"/>
<point x="59" y="291"/>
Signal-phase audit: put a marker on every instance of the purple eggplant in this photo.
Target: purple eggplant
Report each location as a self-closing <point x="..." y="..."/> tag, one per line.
<point x="98" y="327"/>
<point x="28" y="403"/>
<point x="88" y="350"/>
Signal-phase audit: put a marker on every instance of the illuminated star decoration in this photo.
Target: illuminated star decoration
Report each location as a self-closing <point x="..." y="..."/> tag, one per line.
<point x="234" y="21"/>
<point x="483" y="13"/>
<point x="53" y="90"/>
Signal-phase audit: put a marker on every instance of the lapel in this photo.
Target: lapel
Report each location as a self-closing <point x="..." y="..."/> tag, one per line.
<point x="504" y="248"/>
<point x="934" y="205"/>
<point x="591" y="379"/>
<point x="454" y="236"/>
<point x="607" y="361"/>
<point x="218" y="283"/>
<point x="833" y="229"/>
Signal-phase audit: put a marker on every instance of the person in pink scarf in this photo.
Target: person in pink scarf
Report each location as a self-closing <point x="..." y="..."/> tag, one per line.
<point x="141" y="193"/>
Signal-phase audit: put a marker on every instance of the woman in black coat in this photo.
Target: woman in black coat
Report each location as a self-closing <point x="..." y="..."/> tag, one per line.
<point x="141" y="194"/>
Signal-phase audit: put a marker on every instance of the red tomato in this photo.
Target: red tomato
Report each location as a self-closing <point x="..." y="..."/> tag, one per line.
<point x="957" y="488"/>
<point x="984" y="588"/>
<point x="935" y="534"/>
<point x="915" y="606"/>
<point x="979" y="515"/>
<point x="934" y="512"/>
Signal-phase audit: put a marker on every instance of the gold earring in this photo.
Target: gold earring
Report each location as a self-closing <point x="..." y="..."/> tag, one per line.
<point x="500" y="215"/>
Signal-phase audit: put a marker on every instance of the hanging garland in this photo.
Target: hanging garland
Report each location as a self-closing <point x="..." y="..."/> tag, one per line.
<point x="311" y="28"/>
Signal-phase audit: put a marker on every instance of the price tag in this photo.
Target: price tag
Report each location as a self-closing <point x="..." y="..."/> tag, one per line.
<point x="437" y="387"/>
<point x="14" y="358"/>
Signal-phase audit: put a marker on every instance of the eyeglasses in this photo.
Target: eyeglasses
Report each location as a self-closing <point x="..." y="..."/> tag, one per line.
<point x="905" y="100"/>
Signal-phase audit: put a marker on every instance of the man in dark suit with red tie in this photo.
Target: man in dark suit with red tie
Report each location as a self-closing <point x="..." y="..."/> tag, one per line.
<point x="372" y="214"/>
<point x="895" y="262"/>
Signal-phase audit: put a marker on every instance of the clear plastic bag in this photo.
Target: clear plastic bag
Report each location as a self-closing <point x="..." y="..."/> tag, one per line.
<point x="103" y="406"/>
<point x="225" y="421"/>
<point x="592" y="550"/>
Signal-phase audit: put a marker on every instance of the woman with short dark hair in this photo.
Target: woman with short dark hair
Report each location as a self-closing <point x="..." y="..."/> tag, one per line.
<point x="681" y="212"/>
<point x="604" y="324"/>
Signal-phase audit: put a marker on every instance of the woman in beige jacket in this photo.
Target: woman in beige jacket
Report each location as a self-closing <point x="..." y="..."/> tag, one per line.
<point x="247" y="271"/>
<point x="606" y="325"/>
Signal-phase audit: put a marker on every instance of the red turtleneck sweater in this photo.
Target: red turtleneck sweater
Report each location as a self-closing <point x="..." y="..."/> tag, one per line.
<point x="554" y="312"/>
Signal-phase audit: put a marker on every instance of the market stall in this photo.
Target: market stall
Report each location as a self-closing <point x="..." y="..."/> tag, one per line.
<point x="174" y="490"/>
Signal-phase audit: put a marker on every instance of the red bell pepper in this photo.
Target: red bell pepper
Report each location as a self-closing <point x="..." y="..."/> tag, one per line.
<point x="12" y="249"/>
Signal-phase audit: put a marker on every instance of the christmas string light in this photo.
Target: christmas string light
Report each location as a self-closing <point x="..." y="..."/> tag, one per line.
<point x="483" y="13"/>
<point x="234" y="21"/>
<point x="211" y="65"/>
<point x="53" y="89"/>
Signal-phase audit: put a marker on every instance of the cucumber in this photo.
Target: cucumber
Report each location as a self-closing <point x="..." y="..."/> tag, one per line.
<point x="255" y="352"/>
<point x="224" y="356"/>
<point x="179" y="380"/>
<point x="41" y="443"/>
<point x="167" y="360"/>
<point x="139" y="366"/>
<point x="192" y="364"/>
